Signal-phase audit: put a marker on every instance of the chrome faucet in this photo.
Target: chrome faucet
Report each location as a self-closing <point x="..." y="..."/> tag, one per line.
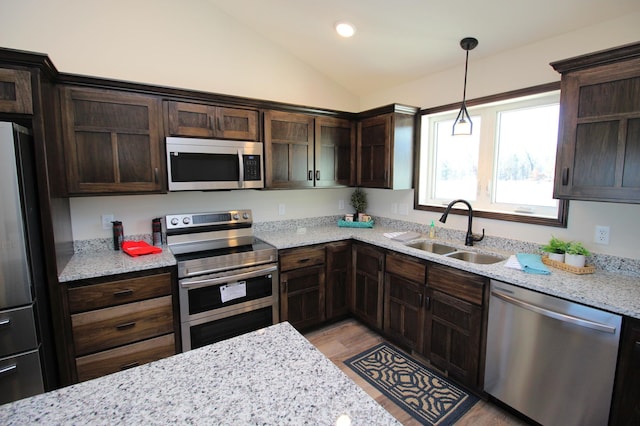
<point x="469" y="238"/>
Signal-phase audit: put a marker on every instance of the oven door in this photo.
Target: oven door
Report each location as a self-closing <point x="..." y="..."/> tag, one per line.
<point x="208" y="164"/>
<point x="219" y="306"/>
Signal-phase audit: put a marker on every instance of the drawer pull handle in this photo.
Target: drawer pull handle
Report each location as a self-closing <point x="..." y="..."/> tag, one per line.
<point x="130" y="365"/>
<point x="8" y="369"/>
<point x="5" y="322"/>
<point x="305" y="260"/>
<point x="121" y="293"/>
<point x="126" y="325"/>
<point x="310" y="177"/>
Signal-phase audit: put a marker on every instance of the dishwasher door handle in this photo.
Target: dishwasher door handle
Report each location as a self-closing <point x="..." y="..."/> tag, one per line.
<point x="555" y="315"/>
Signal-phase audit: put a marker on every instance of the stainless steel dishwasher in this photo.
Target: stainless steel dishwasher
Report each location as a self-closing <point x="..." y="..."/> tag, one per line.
<point x="550" y="359"/>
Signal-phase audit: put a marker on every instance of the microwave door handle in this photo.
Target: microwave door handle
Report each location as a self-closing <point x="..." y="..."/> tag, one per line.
<point x="241" y="169"/>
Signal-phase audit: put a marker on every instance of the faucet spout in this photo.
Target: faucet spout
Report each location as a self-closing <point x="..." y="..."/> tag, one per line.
<point x="469" y="237"/>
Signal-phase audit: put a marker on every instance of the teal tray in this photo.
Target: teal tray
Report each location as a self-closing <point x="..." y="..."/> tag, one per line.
<point x="345" y="224"/>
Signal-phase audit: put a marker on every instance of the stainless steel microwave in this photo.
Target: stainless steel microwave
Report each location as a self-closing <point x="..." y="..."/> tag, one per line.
<point x="210" y="164"/>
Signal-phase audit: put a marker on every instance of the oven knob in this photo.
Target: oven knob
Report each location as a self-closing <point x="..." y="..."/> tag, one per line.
<point x="236" y="216"/>
<point x="186" y="220"/>
<point x="174" y="221"/>
<point x="245" y="215"/>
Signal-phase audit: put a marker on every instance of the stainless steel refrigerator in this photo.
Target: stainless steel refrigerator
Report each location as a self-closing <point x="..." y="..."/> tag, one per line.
<point x="23" y="300"/>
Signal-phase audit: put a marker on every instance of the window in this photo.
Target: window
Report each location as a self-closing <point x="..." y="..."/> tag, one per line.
<point x="506" y="168"/>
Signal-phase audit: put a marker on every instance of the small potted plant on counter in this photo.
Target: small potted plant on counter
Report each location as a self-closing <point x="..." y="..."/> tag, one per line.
<point x="555" y="249"/>
<point x="576" y="254"/>
<point x="359" y="202"/>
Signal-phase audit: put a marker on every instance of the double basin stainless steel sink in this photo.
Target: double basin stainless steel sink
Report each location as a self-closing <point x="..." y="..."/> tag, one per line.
<point x="449" y="251"/>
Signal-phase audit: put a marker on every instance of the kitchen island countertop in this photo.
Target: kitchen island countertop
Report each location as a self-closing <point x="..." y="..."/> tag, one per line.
<point x="270" y="376"/>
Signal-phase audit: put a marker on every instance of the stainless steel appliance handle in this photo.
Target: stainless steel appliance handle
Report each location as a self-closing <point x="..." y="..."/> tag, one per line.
<point x="555" y="315"/>
<point x="225" y="278"/>
<point x="5" y="321"/>
<point x="8" y="369"/>
<point x="241" y="169"/>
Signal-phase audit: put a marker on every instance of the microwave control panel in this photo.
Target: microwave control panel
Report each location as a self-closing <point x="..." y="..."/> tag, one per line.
<point x="251" y="167"/>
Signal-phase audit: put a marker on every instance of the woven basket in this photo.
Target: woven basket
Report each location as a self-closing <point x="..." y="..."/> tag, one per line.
<point x="587" y="269"/>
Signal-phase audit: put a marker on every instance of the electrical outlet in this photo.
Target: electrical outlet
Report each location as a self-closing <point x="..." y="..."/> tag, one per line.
<point x="281" y="209"/>
<point x="602" y="234"/>
<point x="106" y="220"/>
<point x="340" y="204"/>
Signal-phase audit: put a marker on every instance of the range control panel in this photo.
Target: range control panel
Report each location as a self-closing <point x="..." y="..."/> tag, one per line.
<point x="195" y="220"/>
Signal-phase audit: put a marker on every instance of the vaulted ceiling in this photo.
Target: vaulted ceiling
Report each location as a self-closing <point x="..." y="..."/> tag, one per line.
<point x="402" y="40"/>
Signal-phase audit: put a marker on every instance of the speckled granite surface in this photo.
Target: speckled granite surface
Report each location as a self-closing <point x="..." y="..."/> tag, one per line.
<point x="614" y="287"/>
<point x="90" y="264"/>
<point x="613" y="291"/>
<point x="271" y="376"/>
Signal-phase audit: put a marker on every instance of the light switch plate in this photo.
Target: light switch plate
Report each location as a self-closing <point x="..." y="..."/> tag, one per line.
<point x="106" y="221"/>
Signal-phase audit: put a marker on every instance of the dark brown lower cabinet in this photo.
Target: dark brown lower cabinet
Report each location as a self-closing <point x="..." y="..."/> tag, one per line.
<point x="302" y="296"/>
<point x="302" y="286"/>
<point x="455" y="323"/>
<point x="625" y="408"/>
<point x="338" y="279"/>
<point x="404" y="293"/>
<point x="368" y="284"/>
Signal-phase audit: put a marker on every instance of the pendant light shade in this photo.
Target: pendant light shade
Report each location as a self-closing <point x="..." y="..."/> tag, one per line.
<point x="463" y="124"/>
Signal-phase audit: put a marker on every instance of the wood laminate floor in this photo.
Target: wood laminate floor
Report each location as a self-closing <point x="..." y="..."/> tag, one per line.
<point x="347" y="338"/>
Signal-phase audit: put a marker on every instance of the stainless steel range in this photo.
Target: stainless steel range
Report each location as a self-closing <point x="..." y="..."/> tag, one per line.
<point x="227" y="278"/>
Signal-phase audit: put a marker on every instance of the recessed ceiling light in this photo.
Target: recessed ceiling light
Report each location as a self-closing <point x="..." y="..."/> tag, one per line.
<point x="345" y="29"/>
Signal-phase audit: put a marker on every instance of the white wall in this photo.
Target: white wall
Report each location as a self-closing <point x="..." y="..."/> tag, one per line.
<point x="186" y="44"/>
<point x="193" y="45"/>
<point x="528" y="66"/>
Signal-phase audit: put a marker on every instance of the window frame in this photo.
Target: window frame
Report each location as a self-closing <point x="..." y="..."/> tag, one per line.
<point x="563" y="205"/>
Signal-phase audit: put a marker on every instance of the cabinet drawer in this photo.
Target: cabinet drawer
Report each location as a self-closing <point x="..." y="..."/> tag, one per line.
<point x="302" y="257"/>
<point x="406" y="267"/>
<point x="17" y="331"/>
<point x="122" y="358"/>
<point x="110" y="327"/>
<point x="118" y="292"/>
<point x="460" y="284"/>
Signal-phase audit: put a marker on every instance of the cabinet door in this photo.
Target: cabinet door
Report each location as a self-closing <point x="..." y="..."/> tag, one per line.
<point x="208" y="121"/>
<point x="368" y="285"/>
<point x="302" y="296"/>
<point x="404" y="292"/>
<point x="338" y="279"/>
<point x="374" y="161"/>
<point x="288" y="144"/>
<point x="187" y="119"/>
<point x="112" y="141"/>
<point x="15" y="91"/>
<point x="236" y="123"/>
<point x="625" y="408"/>
<point x="599" y="143"/>
<point x="334" y="152"/>
<point x="452" y="336"/>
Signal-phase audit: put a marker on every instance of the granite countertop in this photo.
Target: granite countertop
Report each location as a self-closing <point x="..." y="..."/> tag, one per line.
<point x="614" y="292"/>
<point x="270" y="376"/>
<point x="610" y="291"/>
<point x="101" y="263"/>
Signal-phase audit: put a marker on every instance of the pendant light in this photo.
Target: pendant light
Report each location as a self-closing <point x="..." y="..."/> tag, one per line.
<point x="463" y="124"/>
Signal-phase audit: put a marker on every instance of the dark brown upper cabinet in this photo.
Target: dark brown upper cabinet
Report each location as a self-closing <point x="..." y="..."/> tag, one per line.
<point x="598" y="157"/>
<point x="209" y="121"/>
<point x="15" y="91"/>
<point x="385" y="147"/>
<point x="112" y="141"/>
<point x="303" y="151"/>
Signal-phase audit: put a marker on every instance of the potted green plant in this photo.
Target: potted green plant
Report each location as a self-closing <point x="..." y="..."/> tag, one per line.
<point x="555" y="249"/>
<point x="576" y="254"/>
<point x="359" y="202"/>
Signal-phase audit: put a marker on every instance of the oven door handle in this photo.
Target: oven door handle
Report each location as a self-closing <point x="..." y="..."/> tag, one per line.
<point x="187" y="283"/>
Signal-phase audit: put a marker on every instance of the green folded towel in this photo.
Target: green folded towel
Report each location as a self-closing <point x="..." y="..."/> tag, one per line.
<point x="532" y="264"/>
